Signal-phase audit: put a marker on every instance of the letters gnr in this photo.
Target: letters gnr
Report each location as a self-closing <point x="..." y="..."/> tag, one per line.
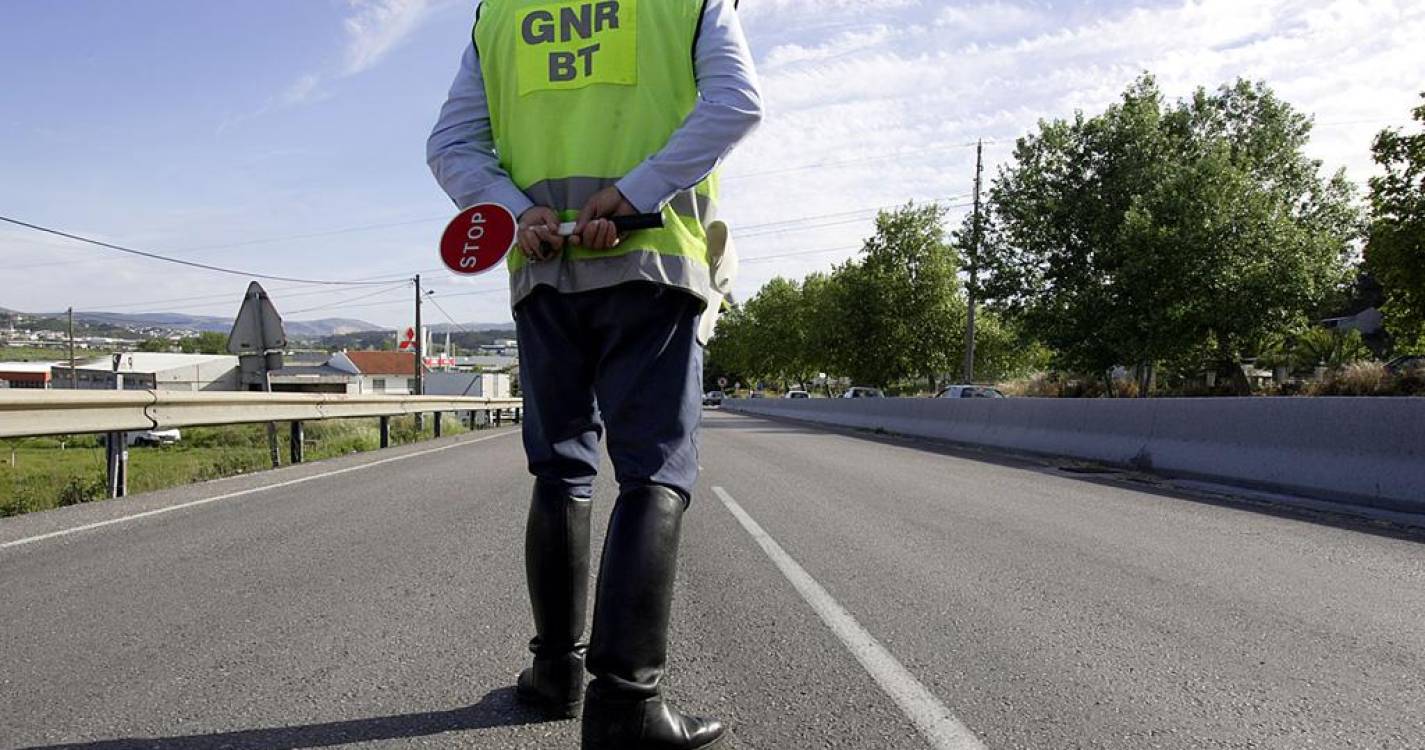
<point x="577" y="43"/>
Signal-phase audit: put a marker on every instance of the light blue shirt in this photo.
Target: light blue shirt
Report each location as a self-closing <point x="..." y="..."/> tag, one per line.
<point x="461" y="149"/>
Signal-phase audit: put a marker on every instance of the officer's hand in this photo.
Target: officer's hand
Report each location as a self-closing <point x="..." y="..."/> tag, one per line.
<point x="539" y="233"/>
<point x="594" y="230"/>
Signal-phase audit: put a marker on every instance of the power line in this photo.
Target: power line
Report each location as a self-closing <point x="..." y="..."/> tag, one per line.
<point x="448" y="316"/>
<point x="346" y="302"/>
<point x="804" y="219"/>
<point x="248" y="243"/>
<point x="305" y="291"/>
<point x="775" y="256"/>
<point x="849" y="162"/>
<point x="179" y="261"/>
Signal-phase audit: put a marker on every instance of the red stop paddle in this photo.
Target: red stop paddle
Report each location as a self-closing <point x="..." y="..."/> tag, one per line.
<point x="480" y="237"/>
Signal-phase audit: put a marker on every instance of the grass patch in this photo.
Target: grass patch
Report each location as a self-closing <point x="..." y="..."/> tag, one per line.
<point x="47" y="354"/>
<point x="51" y="472"/>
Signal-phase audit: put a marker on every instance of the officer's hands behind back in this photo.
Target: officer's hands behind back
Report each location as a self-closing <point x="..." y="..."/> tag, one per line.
<point x="539" y="233"/>
<point x="593" y="229"/>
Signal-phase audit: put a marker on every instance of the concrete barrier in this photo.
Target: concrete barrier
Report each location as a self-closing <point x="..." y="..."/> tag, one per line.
<point x="1366" y="451"/>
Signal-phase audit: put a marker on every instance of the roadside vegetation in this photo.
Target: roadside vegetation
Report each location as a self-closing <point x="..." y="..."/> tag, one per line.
<point x="1159" y="248"/>
<point x="42" y="473"/>
<point x="46" y="354"/>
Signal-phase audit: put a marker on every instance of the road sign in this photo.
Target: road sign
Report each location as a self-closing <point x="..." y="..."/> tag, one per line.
<point x="722" y="382"/>
<point x="478" y="238"/>
<point x="258" y="327"/>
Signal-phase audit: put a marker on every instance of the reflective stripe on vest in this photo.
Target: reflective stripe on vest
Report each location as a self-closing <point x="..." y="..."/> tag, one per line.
<point x="581" y="92"/>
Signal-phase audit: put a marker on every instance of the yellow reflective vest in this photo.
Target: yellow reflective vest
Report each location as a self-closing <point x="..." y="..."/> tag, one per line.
<point x="580" y="93"/>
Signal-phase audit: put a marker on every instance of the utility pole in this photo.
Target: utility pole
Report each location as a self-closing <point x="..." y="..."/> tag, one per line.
<point x="420" y="352"/>
<point x="73" y="376"/>
<point x="974" y="269"/>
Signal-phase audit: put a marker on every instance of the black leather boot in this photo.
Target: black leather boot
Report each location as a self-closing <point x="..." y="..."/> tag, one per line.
<point x="557" y="567"/>
<point x="624" y="708"/>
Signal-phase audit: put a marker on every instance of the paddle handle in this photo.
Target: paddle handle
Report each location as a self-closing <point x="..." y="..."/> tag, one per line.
<point x="630" y="223"/>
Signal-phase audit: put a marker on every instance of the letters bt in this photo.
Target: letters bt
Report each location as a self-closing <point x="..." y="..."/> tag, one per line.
<point x="579" y="22"/>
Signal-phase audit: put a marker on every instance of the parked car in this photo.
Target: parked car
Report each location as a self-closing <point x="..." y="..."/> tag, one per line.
<point x="713" y="398"/>
<point x="970" y="391"/>
<point x="153" y="437"/>
<point x="1406" y="363"/>
<point x="796" y="394"/>
<point x="860" y="391"/>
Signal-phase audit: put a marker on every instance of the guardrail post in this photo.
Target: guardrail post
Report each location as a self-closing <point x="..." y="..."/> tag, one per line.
<point x="117" y="454"/>
<point x="435" y="425"/>
<point x="518" y="414"/>
<point x="298" y="448"/>
<point x="385" y="432"/>
<point x="499" y="416"/>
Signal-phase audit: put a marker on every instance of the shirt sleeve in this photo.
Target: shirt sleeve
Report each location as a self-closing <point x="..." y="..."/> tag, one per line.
<point x="729" y="108"/>
<point x="461" y="148"/>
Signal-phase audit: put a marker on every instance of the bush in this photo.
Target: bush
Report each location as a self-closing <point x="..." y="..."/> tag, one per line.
<point x="81" y="489"/>
<point x="1038" y="385"/>
<point x="1411" y="382"/>
<point x="1369" y="379"/>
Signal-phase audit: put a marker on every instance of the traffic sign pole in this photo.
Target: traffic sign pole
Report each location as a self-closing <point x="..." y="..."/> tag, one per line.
<point x="420" y="353"/>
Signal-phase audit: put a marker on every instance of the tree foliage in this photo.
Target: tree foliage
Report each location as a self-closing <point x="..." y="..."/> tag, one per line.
<point x="1166" y="233"/>
<point x="893" y="314"/>
<point x="1396" y="251"/>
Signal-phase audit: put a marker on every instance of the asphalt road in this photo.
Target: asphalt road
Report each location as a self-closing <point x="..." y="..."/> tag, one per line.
<point x="383" y="606"/>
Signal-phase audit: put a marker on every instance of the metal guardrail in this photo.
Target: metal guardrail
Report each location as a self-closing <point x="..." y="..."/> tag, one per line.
<point x="35" y="413"/>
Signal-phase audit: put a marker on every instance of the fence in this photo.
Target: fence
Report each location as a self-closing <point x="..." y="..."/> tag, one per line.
<point x="26" y="413"/>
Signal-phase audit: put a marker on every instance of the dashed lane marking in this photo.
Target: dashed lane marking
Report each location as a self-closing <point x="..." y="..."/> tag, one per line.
<point x="936" y="724"/>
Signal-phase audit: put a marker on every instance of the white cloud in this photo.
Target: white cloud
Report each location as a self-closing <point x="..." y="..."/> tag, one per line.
<point x="302" y="89"/>
<point x="910" y="81"/>
<point x="375" y="27"/>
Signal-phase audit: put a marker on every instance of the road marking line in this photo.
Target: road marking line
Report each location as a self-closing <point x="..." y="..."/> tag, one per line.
<point x="937" y="725"/>
<point x="252" y="491"/>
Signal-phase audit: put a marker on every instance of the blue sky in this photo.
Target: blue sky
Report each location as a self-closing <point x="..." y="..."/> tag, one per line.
<point x="180" y="126"/>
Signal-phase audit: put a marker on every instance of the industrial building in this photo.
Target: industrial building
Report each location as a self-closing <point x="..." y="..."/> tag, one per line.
<point x="152" y="371"/>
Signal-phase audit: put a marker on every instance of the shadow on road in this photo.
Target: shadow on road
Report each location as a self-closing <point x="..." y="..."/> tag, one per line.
<point x="497" y="709"/>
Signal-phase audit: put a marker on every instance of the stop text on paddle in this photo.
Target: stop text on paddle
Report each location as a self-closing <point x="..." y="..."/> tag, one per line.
<point x="478" y="238"/>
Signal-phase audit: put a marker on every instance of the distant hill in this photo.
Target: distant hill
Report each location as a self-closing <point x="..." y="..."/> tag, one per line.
<point x="441" y="328"/>
<point x="177" y="321"/>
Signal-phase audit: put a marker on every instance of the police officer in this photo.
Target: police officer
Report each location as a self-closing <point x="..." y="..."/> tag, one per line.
<point x="583" y="110"/>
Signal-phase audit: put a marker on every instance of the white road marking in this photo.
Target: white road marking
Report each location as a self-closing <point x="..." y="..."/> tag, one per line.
<point x="253" y="491"/>
<point x="937" y="725"/>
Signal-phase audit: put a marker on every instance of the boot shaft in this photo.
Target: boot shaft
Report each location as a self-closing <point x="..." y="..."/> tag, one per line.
<point x="629" y="643"/>
<point x="557" y="568"/>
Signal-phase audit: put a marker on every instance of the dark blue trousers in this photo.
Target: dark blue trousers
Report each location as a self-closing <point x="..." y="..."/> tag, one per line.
<point x="623" y="359"/>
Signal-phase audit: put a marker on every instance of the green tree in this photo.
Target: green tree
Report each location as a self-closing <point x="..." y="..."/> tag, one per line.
<point x="156" y="345"/>
<point x="901" y="313"/>
<point x="1157" y="233"/>
<point x="210" y="342"/>
<point x="1396" y="250"/>
<point x="1320" y="347"/>
<point x="778" y="332"/>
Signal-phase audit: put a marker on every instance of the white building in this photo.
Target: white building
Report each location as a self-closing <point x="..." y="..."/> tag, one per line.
<point x="378" y="373"/>
<point x="472" y="384"/>
<point x="153" y="371"/>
